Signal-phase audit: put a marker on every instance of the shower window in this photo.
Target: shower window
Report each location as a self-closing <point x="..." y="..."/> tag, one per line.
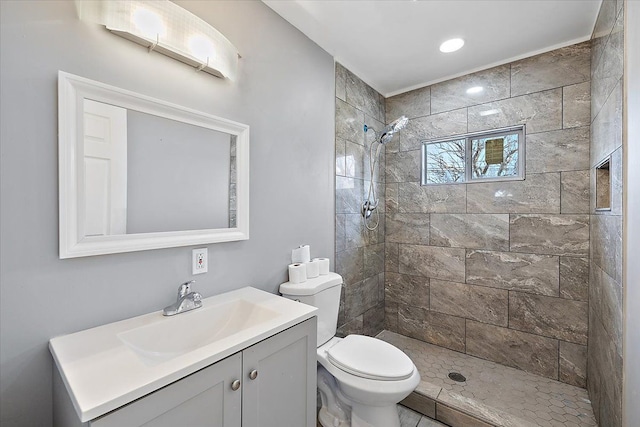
<point x="496" y="155"/>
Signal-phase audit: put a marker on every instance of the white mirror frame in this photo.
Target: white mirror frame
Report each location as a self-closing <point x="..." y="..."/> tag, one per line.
<point x="72" y="90"/>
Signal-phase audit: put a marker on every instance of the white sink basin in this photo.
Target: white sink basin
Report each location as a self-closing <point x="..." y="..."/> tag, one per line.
<point x="185" y="332"/>
<point x="109" y="366"/>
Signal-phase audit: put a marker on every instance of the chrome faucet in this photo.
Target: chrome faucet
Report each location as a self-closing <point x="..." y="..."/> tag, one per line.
<point x="187" y="300"/>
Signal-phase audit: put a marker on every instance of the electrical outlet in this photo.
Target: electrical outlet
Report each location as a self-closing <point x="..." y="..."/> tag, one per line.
<point x="199" y="260"/>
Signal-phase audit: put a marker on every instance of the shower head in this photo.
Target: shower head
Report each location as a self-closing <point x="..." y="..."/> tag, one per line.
<point x="391" y="128"/>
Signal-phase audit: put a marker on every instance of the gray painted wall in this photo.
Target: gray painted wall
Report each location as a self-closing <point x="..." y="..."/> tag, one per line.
<point x="631" y="278"/>
<point x="285" y="92"/>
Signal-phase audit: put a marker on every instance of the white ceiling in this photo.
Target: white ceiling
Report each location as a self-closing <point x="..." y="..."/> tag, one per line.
<point x="393" y="45"/>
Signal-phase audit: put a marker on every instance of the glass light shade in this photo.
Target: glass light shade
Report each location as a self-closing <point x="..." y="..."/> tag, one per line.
<point x="167" y="28"/>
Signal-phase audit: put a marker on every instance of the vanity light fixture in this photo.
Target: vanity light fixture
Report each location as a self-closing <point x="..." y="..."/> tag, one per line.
<point x="451" y="45"/>
<point x="165" y="27"/>
<point x="474" y="90"/>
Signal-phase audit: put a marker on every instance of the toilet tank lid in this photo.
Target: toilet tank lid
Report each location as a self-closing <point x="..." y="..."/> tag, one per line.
<point x="311" y="286"/>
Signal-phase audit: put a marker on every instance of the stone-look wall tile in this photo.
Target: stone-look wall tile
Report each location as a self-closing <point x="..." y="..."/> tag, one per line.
<point x="376" y="236"/>
<point x="413" y="197"/>
<point x="559" y="150"/>
<point x="574" y="278"/>
<point x="604" y="22"/>
<point x="381" y="285"/>
<point x="560" y="67"/>
<point x="341" y="231"/>
<point x="472" y="231"/>
<point x="407" y="290"/>
<point x="610" y="67"/>
<point x="373" y="320"/>
<point x="354" y="326"/>
<point x="541" y="112"/>
<point x="341" y="82"/>
<point x="606" y="244"/>
<point x="403" y="166"/>
<point x="538" y="193"/>
<point x="416" y="103"/>
<point x="341" y="157"/>
<point x="452" y="417"/>
<point x="551" y="317"/>
<point x="407" y="228"/>
<point x="615" y="170"/>
<point x="391" y="257"/>
<point x="348" y="194"/>
<point x="606" y="303"/>
<point x="349" y="122"/>
<point x="350" y="265"/>
<point x="574" y="192"/>
<point x="362" y="96"/>
<point x="391" y="197"/>
<point x="576" y="105"/>
<point x="435" y="328"/>
<point x="452" y="94"/>
<point x="573" y="364"/>
<point x="432" y="127"/>
<point x="373" y="259"/>
<point x="605" y="360"/>
<point x="391" y="316"/>
<point x="432" y="261"/>
<point x="479" y="303"/>
<point x="550" y="234"/>
<point x="536" y="274"/>
<point x="354" y="237"/>
<point x="360" y="297"/>
<point x="355" y="159"/>
<point x="606" y="129"/>
<point x="531" y="353"/>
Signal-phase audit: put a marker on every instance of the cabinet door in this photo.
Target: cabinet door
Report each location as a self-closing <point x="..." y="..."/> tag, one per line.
<point x="284" y="392"/>
<point x="203" y="399"/>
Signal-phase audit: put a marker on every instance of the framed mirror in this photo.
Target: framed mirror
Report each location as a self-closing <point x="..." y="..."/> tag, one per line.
<point x="138" y="173"/>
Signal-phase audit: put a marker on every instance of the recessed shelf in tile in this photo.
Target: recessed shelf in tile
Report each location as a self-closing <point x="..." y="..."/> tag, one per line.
<point x="603" y="186"/>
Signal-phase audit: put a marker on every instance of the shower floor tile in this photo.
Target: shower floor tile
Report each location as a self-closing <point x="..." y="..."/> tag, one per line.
<point x="494" y="393"/>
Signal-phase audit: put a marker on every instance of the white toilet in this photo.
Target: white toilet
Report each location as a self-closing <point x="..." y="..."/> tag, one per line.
<point x="360" y="378"/>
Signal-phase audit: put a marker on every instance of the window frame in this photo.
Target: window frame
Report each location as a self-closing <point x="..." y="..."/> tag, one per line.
<point x="468" y="147"/>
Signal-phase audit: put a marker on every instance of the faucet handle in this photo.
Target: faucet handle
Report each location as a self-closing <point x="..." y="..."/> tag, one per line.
<point x="185" y="288"/>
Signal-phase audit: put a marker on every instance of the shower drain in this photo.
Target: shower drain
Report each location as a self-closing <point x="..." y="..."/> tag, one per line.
<point x="456" y="376"/>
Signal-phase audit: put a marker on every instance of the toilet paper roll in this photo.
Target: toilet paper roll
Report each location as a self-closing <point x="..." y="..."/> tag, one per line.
<point x="313" y="269"/>
<point x="301" y="254"/>
<point x="297" y="273"/>
<point x="323" y="264"/>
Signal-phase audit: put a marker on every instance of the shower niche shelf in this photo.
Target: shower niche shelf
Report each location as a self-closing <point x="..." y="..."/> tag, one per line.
<point x="603" y="185"/>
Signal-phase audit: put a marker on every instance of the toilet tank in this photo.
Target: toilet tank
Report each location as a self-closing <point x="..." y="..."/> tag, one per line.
<point x="322" y="292"/>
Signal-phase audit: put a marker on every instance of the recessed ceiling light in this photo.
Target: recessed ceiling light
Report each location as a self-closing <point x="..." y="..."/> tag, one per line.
<point x="451" y="45"/>
<point x="475" y="89"/>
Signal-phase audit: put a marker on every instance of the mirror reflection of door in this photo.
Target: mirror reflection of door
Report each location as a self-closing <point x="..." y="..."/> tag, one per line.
<point x="105" y="169"/>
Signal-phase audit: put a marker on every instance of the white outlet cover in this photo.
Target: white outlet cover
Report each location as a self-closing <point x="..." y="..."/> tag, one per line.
<point x="199" y="261"/>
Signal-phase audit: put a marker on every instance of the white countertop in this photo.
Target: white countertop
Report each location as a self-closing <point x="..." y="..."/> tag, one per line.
<point x="101" y="373"/>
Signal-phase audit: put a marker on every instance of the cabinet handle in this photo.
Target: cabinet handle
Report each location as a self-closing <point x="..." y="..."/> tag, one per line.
<point x="235" y="385"/>
<point x="253" y="374"/>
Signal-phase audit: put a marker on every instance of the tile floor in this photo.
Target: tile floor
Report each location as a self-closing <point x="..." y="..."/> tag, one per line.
<point x="409" y="418"/>
<point x="497" y="394"/>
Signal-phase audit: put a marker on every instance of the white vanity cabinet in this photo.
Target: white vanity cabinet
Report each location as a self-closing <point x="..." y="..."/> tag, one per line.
<point x="269" y="384"/>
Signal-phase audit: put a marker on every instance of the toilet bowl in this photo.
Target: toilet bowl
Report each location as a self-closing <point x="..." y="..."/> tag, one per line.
<point x="360" y="378"/>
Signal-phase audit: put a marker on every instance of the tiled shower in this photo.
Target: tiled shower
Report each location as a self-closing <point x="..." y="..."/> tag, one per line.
<point x="523" y="273"/>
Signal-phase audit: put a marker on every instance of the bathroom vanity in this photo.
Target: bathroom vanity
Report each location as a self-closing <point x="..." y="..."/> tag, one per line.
<point x="246" y="358"/>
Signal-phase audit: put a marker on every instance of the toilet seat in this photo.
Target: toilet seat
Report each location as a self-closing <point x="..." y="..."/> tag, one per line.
<point x="370" y="358"/>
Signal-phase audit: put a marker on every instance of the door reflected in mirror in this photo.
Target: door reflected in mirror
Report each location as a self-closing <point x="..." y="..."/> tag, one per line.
<point x="146" y="174"/>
